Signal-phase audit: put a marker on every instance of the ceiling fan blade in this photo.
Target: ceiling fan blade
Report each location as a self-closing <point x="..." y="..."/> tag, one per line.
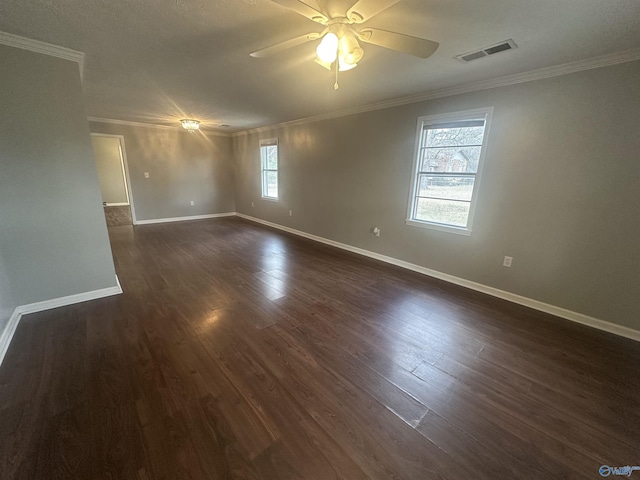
<point x="279" y="47"/>
<point x="366" y="9"/>
<point x="335" y="8"/>
<point x="304" y="10"/>
<point x="397" y="41"/>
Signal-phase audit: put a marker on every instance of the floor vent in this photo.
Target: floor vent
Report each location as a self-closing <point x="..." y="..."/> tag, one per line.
<point x="485" y="52"/>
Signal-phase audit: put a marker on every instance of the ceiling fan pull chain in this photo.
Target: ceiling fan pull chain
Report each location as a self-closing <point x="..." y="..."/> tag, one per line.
<point x="335" y="85"/>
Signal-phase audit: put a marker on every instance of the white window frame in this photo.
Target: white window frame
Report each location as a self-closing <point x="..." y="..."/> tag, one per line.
<point x="269" y="142"/>
<point x="475" y="114"/>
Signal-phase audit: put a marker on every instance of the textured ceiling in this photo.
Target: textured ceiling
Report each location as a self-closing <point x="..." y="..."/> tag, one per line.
<point x="156" y="61"/>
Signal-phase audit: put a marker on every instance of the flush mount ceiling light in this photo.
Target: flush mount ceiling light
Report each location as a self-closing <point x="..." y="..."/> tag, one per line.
<point x="190" y="125"/>
<point x="340" y="47"/>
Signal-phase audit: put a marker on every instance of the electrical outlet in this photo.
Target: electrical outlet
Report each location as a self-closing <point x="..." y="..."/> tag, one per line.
<point x="192" y="203"/>
<point x="146" y="174"/>
<point x="291" y="213"/>
<point x="507" y="261"/>
<point x="252" y="205"/>
<point x="376" y="231"/>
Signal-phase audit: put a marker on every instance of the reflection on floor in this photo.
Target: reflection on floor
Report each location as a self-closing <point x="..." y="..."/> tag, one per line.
<point x="240" y="352"/>
<point x="118" y="216"/>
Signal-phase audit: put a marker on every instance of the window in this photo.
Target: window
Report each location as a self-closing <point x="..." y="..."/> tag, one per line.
<point x="448" y="162"/>
<point x="269" y="162"/>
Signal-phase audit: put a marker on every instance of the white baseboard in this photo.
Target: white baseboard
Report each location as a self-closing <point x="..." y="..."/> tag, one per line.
<point x="495" y="292"/>
<point x="7" y="334"/>
<point x="184" y="219"/>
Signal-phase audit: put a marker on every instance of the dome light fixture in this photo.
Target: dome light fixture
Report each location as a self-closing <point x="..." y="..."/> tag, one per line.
<point x="190" y="125"/>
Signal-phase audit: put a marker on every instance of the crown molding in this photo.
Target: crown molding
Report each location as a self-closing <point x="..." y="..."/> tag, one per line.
<point x="44" y="48"/>
<point x="514" y="79"/>
<point x="128" y="123"/>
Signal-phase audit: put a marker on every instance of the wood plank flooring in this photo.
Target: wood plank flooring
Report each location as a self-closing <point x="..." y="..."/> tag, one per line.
<point x="241" y="352"/>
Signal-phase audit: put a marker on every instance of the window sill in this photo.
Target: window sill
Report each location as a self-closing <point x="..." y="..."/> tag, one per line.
<point x="271" y="199"/>
<point x="439" y="227"/>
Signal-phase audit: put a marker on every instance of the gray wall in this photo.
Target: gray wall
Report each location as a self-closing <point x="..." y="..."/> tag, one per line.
<point x="182" y="167"/>
<point x="559" y="191"/>
<point x="53" y="238"/>
<point x="109" y="165"/>
<point x="7" y="300"/>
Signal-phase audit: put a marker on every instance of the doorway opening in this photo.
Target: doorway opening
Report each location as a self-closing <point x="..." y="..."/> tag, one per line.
<point x="113" y="175"/>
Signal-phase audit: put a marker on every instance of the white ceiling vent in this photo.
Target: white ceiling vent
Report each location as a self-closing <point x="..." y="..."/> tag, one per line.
<point x="485" y="52"/>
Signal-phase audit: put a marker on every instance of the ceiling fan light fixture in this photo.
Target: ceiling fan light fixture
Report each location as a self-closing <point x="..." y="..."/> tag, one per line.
<point x="327" y="50"/>
<point x="322" y="63"/>
<point x="352" y="58"/>
<point x="339" y="45"/>
<point x="190" y="125"/>
<point x="344" y="66"/>
<point x="350" y="49"/>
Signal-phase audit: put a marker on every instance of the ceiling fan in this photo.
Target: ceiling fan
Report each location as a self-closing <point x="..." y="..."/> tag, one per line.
<point x="340" y="38"/>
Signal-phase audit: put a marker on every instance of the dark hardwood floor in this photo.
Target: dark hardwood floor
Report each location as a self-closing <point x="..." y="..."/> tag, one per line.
<point x="238" y="351"/>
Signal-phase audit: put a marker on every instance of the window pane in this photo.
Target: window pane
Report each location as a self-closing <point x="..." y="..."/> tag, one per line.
<point x="450" y="160"/>
<point x="442" y="211"/>
<point x="271" y="160"/>
<point x="447" y="137"/>
<point x="453" y="188"/>
<point x="271" y="180"/>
